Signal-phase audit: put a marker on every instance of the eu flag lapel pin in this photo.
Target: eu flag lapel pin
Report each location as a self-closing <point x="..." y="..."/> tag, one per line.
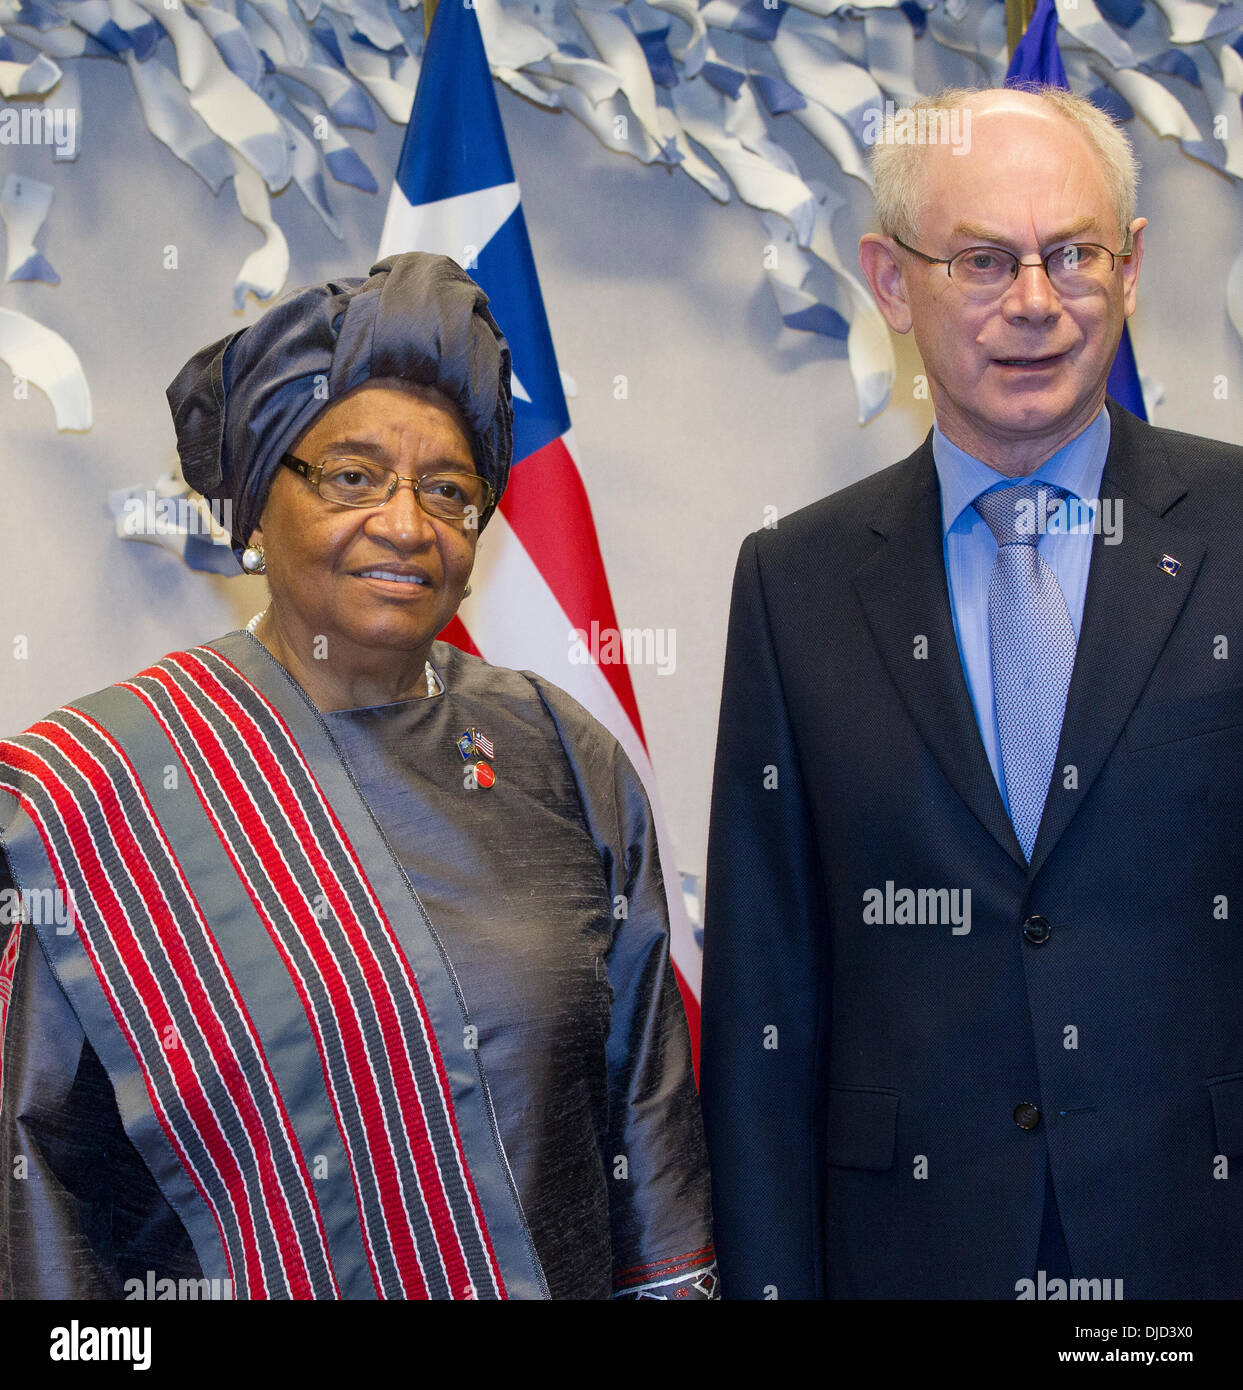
<point x="1170" y="565"/>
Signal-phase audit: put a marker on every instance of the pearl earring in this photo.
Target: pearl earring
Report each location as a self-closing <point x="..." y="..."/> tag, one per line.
<point x="253" y="561"/>
<point x="466" y="592"/>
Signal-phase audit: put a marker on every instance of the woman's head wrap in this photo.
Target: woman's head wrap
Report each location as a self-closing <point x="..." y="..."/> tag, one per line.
<point x="241" y="403"/>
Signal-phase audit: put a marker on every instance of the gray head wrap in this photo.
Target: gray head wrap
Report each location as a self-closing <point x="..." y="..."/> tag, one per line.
<point x="241" y="403"/>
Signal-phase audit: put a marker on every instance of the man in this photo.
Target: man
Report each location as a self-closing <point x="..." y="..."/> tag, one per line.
<point x="972" y="990"/>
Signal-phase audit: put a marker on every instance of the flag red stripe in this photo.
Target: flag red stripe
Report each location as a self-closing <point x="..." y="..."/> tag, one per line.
<point x="457" y="635"/>
<point x="691" y="1005"/>
<point x="547" y="507"/>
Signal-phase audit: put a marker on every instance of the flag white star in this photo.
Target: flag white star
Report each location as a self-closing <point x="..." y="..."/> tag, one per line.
<point x="458" y="227"/>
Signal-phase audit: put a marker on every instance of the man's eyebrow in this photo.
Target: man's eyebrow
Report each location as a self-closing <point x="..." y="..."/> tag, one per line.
<point x="989" y="234"/>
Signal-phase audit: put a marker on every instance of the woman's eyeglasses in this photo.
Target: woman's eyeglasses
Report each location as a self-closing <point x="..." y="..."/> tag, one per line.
<point x="355" y="482"/>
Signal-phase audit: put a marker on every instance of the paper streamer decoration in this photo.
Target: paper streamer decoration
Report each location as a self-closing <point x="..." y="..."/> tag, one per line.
<point x="265" y="269"/>
<point x="34" y="353"/>
<point x="24" y="204"/>
<point x="263" y="94"/>
<point x="170" y="515"/>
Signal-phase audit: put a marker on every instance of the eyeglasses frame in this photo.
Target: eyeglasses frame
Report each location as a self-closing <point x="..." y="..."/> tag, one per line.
<point x="1128" y="250"/>
<point x="313" y="472"/>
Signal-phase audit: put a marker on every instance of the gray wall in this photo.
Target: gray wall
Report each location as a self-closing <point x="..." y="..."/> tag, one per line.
<point x="728" y="411"/>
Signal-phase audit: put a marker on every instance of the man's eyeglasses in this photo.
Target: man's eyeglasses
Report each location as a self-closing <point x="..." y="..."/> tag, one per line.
<point x="355" y="482"/>
<point x="984" y="273"/>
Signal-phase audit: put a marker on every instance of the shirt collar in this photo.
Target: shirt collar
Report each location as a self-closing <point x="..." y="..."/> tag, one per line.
<point x="1076" y="466"/>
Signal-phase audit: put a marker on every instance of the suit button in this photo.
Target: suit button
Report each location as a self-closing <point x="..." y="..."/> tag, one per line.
<point x="1026" y="1115"/>
<point x="1037" y="930"/>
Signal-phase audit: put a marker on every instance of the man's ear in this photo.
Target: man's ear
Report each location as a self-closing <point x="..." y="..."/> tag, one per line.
<point x="1130" y="267"/>
<point x="883" y="272"/>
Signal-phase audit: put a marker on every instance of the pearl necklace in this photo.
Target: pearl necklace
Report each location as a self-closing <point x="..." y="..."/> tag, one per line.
<point x="435" y="686"/>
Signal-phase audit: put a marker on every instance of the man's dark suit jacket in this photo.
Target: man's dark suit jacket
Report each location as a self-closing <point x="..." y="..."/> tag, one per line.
<point x="861" y="1081"/>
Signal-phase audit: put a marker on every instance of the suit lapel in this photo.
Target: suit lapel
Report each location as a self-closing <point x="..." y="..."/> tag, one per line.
<point x="1130" y="608"/>
<point x="903" y="590"/>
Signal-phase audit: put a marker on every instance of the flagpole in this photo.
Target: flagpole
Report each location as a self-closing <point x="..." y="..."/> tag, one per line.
<point x="1018" y="17"/>
<point x="429" y="13"/>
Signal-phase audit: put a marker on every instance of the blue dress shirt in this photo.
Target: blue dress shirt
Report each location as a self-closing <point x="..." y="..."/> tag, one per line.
<point x="971" y="549"/>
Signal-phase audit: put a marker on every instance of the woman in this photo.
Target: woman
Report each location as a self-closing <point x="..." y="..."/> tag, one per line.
<point x="363" y="989"/>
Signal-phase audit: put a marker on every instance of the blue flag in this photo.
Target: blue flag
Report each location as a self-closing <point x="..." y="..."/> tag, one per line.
<point x="1037" y="59"/>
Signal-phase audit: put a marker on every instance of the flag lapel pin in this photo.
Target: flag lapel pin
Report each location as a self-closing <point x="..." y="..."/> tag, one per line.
<point x="471" y="743"/>
<point x="1170" y="565"/>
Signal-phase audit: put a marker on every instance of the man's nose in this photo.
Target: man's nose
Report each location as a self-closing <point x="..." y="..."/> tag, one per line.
<point x="1031" y="294"/>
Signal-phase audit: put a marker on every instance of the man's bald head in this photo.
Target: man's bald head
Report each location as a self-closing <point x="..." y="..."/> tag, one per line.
<point x="906" y="168"/>
<point x="1019" y="369"/>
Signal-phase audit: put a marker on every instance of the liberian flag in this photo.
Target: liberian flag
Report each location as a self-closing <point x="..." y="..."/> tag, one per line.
<point x="539" y="576"/>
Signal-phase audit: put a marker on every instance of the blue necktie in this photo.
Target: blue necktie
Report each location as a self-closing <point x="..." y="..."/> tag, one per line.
<point x="1032" y="645"/>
